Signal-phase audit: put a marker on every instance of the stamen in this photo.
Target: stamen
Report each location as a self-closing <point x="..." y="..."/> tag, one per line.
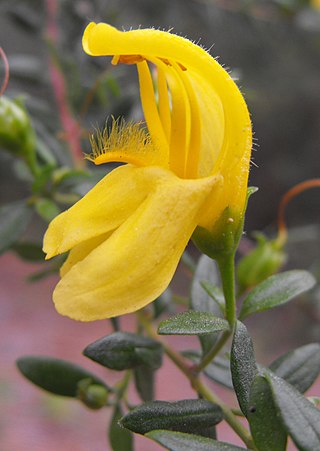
<point x="150" y="111"/>
<point x="123" y="142"/>
<point x="180" y="117"/>
<point x="164" y="102"/>
<point x="195" y="129"/>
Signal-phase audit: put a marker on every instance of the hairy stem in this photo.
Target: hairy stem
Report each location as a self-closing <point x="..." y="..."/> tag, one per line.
<point x="226" y="267"/>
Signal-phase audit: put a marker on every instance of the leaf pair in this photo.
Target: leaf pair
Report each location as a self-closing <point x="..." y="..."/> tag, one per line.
<point x="274" y="407"/>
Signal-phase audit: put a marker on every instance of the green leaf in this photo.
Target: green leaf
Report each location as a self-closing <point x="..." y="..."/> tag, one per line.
<point x="300" y="417"/>
<point x="276" y="290"/>
<point x="188" y="415"/>
<point x="29" y="251"/>
<point x="300" y="367"/>
<point x="144" y="382"/>
<point x="120" y="438"/>
<point x="162" y="303"/>
<point x="121" y="350"/>
<point x="200" y="300"/>
<point x="178" y="441"/>
<point x="14" y="219"/>
<point x="56" y="376"/>
<point x="219" y="371"/>
<point x="264" y="418"/>
<point x="192" y="323"/>
<point x="47" y="209"/>
<point x="215" y="293"/>
<point x="43" y="177"/>
<point x="243" y="365"/>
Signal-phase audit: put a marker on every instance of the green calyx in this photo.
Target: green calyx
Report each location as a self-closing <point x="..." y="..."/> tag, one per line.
<point x="16" y="132"/>
<point x="223" y="240"/>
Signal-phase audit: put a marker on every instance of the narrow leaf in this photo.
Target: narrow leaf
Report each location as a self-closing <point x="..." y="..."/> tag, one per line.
<point x="47" y="209"/>
<point x="215" y="293"/>
<point x="120" y="351"/>
<point x="300" y="367"/>
<point x="29" y="251"/>
<point x="264" y="418"/>
<point x="219" y="371"/>
<point x="276" y="290"/>
<point x="56" y="376"/>
<point x="178" y="441"/>
<point x="300" y="417"/>
<point x="192" y="323"/>
<point x="14" y="219"/>
<point x="144" y="382"/>
<point x="243" y="365"/>
<point x="200" y="299"/>
<point x="120" y="438"/>
<point x="189" y="415"/>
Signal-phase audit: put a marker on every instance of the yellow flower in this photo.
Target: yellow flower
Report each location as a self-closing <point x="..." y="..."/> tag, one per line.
<point x="128" y="233"/>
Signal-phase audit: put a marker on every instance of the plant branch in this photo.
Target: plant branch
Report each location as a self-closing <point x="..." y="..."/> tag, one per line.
<point x="6" y="71"/>
<point x="226" y="267"/>
<point x="197" y="383"/>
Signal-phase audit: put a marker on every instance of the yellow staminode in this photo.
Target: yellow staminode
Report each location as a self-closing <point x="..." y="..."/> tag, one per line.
<point x="186" y="166"/>
<point x="122" y="142"/>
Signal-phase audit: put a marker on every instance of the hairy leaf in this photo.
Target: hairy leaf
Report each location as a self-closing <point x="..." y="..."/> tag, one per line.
<point x="192" y="323"/>
<point x="120" y="438"/>
<point x="178" y="441"/>
<point x="243" y="365"/>
<point x="276" y="290"/>
<point x="122" y="350"/>
<point x="264" y="418"/>
<point x="300" y="367"/>
<point x="300" y="417"/>
<point x="189" y="415"/>
<point x="54" y="375"/>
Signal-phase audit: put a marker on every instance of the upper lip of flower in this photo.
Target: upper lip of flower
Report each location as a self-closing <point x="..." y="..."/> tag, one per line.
<point x="200" y="123"/>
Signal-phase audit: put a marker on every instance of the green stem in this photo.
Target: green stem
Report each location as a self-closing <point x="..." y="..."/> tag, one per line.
<point x="216" y="348"/>
<point x="226" y="267"/>
<point x="197" y="383"/>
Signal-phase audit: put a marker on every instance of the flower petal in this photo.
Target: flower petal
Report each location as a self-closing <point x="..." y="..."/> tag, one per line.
<point x="107" y="205"/>
<point x="136" y="263"/>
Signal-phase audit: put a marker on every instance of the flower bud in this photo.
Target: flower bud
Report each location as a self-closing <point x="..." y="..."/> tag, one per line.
<point x="263" y="261"/>
<point x="16" y="133"/>
<point x="93" y="396"/>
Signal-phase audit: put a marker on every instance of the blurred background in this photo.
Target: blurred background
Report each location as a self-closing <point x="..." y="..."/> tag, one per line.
<point x="272" y="48"/>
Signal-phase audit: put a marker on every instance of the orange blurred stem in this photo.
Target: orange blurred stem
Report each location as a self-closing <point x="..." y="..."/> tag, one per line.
<point x="291" y="194"/>
<point x="72" y="131"/>
<point x="6" y="71"/>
